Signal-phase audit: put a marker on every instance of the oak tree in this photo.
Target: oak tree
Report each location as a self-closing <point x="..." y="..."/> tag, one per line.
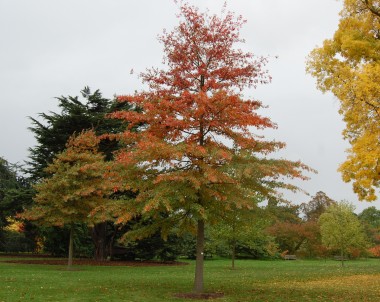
<point x="348" y="65"/>
<point x="196" y="155"/>
<point x="52" y="131"/>
<point x="76" y="191"/>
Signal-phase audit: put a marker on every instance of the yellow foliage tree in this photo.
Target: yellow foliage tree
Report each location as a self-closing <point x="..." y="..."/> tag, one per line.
<point x="77" y="189"/>
<point x="341" y="229"/>
<point x="348" y="65"/>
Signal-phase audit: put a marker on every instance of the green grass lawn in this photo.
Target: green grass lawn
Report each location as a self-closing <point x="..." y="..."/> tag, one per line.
<point x="251" y="281"/>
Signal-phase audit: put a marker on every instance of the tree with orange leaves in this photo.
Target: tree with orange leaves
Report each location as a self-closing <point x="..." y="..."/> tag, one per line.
<point x="195" y="156"/>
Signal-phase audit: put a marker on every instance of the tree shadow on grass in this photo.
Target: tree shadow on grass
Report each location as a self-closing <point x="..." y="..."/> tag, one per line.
<point x="199" y="296"/>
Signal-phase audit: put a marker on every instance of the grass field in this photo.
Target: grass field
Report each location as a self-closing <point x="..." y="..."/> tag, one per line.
<point x="251" y="281"/>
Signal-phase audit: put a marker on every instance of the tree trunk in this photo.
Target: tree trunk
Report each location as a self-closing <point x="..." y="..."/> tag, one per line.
<point x="109" y="245"/>
<point x="233" y="243"/>
<point x="341" y="257"/>
<point x="296" y="248"/>
<point x="71" y="248"/>
<point x="198" y="280"/>
<point x="233" y="254"/>
<point x="99" y="236"/>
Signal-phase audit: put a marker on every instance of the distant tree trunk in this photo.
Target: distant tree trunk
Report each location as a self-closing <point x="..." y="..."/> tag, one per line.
<point x="298" y="245"/>
<point x="198" y="280"/>
<point x="233" y="244"/>
<point x="71" y="248"/>
<point x="99" y="237"/>
<point x="342" y="257"/>
<point x="233" y="253"/>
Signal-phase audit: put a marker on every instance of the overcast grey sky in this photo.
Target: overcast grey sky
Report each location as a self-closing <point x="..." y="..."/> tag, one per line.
<point x="54" y="48"/>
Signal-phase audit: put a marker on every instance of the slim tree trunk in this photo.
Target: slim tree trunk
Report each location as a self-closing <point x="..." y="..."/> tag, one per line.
<point x="341" y="257"/>
<point x="198" y="280"/>
<point x="233" y="254"/>
<point x="71" y="248"/>
<point x="233" y="244"/>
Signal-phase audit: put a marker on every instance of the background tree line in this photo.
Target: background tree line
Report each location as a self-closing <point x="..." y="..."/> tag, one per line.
<point x="264" y="232"/>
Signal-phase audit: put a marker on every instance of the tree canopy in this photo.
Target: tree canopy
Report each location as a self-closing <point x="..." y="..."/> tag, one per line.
<point x="341" y="229"/>
<point x="196" y="155"/>
<point x="348" y="65"/>
<point x="316" y="206"/>
<point x="52" y="130"/>
<point x="15" y="191"/>
<point x="77" y="190"/>
<point x="370" y="219"/>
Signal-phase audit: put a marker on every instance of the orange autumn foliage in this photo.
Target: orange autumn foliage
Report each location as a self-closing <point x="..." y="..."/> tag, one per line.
<point x="194" y="121"/>
<point x="375" y="251"/>
<point x="195" y="155"/>
<point x="77" y="190"/>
